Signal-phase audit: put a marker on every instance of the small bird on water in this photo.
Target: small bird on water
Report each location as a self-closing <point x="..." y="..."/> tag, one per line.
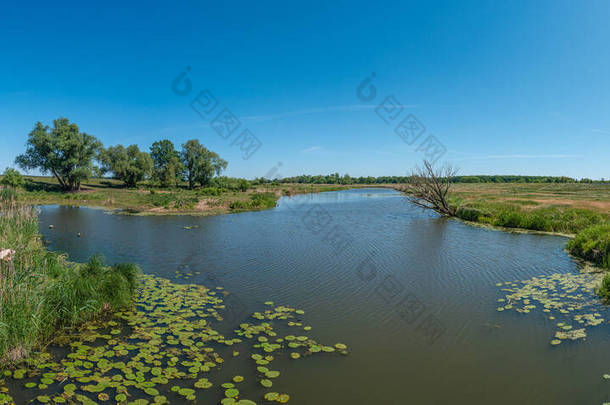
<point x="78" y="234"/>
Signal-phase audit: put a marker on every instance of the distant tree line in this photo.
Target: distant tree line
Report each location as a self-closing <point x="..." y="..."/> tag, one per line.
<point x="335" y="178"/>
<point x="70" y="156"/>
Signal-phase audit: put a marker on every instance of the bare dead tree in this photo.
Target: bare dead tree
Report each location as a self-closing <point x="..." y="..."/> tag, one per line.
<point x="429" y="188"/>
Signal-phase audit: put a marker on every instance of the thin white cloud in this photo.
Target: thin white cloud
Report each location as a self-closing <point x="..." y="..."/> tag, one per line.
<point x="311" y="149"/>
<point x="524" y="156"/>
<point x="317" y="110"/>
<point x="601" y="131"/>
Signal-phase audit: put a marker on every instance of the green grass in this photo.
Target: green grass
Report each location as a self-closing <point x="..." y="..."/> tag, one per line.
<point x="40" y="291"/>
<point x="257" y="201"/>
<point x="593" y="244"/>
<point x="149" y="199"/>
<point x="604" y="289"/>
<point x="558" y="218"/>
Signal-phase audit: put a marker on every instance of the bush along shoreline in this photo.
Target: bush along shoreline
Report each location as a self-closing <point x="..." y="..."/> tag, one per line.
<point x="41" y="291"/>
<point x="593" y="244"/>
<point x="590" y="230"/>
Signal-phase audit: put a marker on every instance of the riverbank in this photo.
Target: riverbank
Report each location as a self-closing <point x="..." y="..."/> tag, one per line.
<point x="580" y="211"/>
<point x="562" y="208"/>
<point x="41" y="292"/>
<point x="112" y="195"/>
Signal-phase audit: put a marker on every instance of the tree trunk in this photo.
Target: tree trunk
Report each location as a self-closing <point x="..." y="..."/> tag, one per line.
<point x="429" y="188"/>
<point x="59" y="179"/>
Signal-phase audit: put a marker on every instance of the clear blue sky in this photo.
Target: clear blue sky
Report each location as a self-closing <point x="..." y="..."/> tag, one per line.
<point x="519" y="87"/>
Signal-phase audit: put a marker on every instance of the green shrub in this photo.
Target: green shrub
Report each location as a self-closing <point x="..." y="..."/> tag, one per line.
<point x="469" y="213"/>
<point x="509" y="218"/>
<point x="604" y="290"/>
<point x="243" y="185"/>
<point x="263" y="200"/>
<point x="12" y="178"/>
<point x="214" y="191"/>
<point x="536" y="221"/>
<point x="239" y="205"/>
<point x="230" y="183"/>
<point x="592" y="244"/>
<point x="257" y="201"/>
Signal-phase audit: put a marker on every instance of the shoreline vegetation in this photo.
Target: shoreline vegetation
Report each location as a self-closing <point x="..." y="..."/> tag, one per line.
<point x="41" y="292"/>
<point x="226" y="196"/>
<point x="579" y="211"/>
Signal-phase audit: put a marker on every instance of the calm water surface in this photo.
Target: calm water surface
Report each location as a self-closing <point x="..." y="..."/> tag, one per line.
<point x="413" y="295"/>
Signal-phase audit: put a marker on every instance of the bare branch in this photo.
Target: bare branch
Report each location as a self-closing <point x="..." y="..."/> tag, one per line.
<point x="429" y="188"/>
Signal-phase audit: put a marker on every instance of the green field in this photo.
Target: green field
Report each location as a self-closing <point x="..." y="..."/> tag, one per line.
<point x="561" y="208"/>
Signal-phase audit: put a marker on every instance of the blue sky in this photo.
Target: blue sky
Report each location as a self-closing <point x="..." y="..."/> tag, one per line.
<point x="519" y="87"/>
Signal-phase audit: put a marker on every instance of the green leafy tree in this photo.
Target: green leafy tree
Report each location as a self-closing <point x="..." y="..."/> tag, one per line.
<point x="167" y="168"/>
<point x="12" y="178"/>
<point x="62" y="150"/>
<point x="201" y="164"/>
<point x="129" y="165"/>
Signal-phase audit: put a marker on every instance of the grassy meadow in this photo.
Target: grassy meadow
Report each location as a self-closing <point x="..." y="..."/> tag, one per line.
<point x="558" y="208"/>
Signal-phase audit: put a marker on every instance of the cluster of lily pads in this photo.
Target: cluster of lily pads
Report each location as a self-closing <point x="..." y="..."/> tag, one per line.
<point x="167" y="349"/>
<point x="267" y="341"/>
<point x="185" y="275"/>
<point x="569" y="297"/>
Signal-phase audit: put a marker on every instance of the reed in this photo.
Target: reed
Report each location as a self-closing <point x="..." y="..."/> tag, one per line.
<point x="41" y="291"/>
<point x="593" y="244"/>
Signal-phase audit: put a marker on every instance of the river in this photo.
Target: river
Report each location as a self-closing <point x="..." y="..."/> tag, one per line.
<point x="412" y="295"/>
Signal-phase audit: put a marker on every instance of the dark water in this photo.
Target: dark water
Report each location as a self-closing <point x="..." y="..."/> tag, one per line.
<point x="413" y="295"/>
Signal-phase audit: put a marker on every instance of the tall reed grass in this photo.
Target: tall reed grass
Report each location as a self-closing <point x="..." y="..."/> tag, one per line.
<point x="40" y="291"/>
<point x="550" y="219"/>
<point x="593" y="244"/>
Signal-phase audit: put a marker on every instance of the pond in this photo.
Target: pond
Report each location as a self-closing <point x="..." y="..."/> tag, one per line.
<point x="413" y="296"/>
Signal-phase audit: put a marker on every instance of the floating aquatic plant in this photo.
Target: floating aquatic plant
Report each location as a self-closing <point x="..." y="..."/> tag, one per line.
<point x="169" y="339"/>
<point x="567" y="296"/>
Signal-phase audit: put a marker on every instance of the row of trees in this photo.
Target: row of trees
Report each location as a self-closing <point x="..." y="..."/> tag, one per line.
<point x="335" y="178"/>
<point x="69" y="154"/>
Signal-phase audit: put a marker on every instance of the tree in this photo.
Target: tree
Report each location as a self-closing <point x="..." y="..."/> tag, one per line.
<point x="129" y="165"/>
<point x="167" y="168"/>
<point x="12" y="178"/>
<point x="429" y="187"/>
<point x="200" y="164"/>
<point x="62" y="150"/>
